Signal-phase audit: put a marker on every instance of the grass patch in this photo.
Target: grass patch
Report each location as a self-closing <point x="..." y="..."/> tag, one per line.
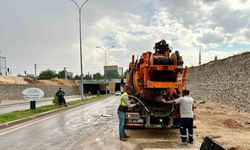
<point x="27" y="113"/>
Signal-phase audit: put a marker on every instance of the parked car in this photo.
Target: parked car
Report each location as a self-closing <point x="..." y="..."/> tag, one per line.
<point x="117" y="93"/>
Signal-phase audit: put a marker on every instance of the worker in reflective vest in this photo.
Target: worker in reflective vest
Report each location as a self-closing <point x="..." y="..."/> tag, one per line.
<point x="123" y="107"/>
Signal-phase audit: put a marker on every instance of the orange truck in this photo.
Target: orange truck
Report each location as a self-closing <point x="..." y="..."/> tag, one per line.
<point x="150" y="78"/>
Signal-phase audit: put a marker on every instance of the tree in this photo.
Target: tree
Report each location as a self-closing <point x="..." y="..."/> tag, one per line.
<point x="112" y="74"/>
<point x="98" y="93"/>
<point x="47" y="75"/>
<point x="77" y="77"/>
<point x="87" y="76"/>
<point x="61" y="74"/>
<point x="97" y="76"/>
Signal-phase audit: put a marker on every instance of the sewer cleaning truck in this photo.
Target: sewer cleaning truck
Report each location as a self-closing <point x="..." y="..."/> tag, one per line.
<point x="151" y="78"/>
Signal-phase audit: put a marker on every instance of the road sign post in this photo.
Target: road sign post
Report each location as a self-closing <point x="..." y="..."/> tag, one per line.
<point x="33" y="105"/>
<point x="33" y="94"/>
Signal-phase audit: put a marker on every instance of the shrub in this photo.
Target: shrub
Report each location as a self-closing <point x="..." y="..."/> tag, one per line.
<point x="98" y="93"/>
<point x="56" y="100"/>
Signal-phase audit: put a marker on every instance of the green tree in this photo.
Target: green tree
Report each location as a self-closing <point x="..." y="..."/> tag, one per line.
<point x="98" y="93"/>
<point x="87" y="76"/>
<point x="61" y="74"/>
<point x="97" y="76"/>
<point x="77" y="77"/>
<point x="47" y="74"/>
<point x="112" y="74"/>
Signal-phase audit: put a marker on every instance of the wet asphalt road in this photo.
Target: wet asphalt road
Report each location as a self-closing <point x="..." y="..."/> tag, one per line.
<point x="61" y="131"/>
<point x="23" y="106"/>
<point x="93" y="126"/>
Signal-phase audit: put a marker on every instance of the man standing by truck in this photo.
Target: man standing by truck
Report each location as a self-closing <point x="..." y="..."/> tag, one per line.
<point x="122" y="109"/>
<point x="187" y="116"/>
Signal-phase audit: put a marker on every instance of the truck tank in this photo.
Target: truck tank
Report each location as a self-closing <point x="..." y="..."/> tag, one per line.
<point x="150" y="78"/>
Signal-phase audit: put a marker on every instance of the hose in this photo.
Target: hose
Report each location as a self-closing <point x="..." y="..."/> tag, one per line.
<point x="151" y="113"/>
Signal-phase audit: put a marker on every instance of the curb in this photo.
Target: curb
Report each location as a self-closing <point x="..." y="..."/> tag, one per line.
<point x="18" y="103"/>
<point x="15" y="122"/>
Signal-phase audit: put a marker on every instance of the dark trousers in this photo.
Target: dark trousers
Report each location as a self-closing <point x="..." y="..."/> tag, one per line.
<point x="186" y="124"/>
<point x="62" y="101"/>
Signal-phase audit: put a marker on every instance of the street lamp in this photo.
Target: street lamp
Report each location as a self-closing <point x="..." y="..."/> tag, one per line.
<point x="80" y="31"/>
<point x="105" y="52"/>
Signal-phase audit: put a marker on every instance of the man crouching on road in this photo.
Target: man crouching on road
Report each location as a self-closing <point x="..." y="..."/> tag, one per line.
<point x="122" y="109"/>
<point x="187" y="115"/>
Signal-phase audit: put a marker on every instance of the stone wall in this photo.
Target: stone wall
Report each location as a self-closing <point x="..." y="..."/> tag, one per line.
<point x="14" y="91"/>
<point x="225" y="81"/>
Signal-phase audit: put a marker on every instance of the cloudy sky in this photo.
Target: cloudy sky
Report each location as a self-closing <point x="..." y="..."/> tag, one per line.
<point x="46" y="32"/>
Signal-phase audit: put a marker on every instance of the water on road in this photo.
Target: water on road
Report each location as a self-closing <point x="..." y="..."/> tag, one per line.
<point x="92" y="126"/>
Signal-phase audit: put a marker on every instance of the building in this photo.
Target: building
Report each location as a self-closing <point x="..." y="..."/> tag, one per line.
<point x="120" y="71"/>
<point x="111" y="72"/>
<point x="3" y="68"/>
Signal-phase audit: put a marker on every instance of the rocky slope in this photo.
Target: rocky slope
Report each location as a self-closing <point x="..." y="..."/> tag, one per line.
<point x="225" y="81"/>
<point x="11" y="87"/>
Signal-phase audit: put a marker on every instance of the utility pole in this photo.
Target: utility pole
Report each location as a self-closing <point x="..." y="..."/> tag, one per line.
<point x="65" y="73"/>
<point x="105" y="73"/>
<point x="199" y="57"/>
<point x="35" y="70"/>
<point x="80" y="33"/>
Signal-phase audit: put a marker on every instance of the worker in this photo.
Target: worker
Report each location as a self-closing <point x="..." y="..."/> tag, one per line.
<point x="60" y="93"/>
<point x="122" y="109"/>
<point x="187" y="116"/>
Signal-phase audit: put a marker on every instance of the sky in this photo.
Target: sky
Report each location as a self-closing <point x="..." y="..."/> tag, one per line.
<point x="46" y="32"/>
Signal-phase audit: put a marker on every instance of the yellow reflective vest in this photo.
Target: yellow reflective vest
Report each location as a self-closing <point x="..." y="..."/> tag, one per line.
<point x="122" y="102"/>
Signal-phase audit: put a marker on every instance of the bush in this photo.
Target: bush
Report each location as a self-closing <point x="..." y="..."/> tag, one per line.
<point x="98" y="93"/>
<point x="56" y="100"/>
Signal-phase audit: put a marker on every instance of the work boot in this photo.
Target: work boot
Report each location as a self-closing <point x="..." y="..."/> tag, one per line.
<point x="123" y="139"/>
<point x="126" y="136"/>
<point x="182" y="143"/>
<point x="191" y="142"/>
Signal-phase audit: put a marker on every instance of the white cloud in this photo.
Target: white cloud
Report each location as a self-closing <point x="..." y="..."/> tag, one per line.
<point x="51" y="36"/>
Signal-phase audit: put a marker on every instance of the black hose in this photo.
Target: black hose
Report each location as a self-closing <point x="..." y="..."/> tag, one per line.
<point x="152" y="114"/>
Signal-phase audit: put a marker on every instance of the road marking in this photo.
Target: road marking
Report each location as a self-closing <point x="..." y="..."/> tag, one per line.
<point x="25" y="125"/>
<point x="28" y="124"/>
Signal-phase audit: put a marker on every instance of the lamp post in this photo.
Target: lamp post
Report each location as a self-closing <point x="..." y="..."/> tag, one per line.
<point x="80" y="31"/>
<point x="105" y="52"/>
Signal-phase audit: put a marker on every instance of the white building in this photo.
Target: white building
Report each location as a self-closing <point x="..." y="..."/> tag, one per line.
<point x="3" y="68"/>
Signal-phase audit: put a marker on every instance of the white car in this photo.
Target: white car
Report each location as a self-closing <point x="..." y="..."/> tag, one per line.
<point x="117" y="93"/>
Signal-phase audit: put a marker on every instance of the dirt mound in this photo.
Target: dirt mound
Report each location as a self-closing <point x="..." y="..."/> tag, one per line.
<point x="58" y="82"/>
<point x="28" y="80"/>
<point x="12" y="80"/>
<point x="231" y="123"/>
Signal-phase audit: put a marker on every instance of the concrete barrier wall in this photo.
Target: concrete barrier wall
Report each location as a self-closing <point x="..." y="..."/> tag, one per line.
<point x="14" y="91"/>
<point x="225" y="81"/>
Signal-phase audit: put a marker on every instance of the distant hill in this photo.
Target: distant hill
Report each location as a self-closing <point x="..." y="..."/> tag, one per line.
<point x="226" y="81"/>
